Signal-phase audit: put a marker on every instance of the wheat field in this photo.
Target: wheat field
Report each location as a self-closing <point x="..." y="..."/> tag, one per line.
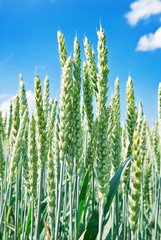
<point x="72" y="170"/>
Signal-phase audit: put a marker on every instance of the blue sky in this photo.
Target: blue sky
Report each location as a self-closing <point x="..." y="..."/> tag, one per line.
<point x="28" y="41"/>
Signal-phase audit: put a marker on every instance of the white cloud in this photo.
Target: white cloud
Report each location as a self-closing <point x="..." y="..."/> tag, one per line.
<point x="150" y="42"/>
<point x="4" y="106"/>
<point x="5" y="96"/>
<point x="31" y="101"/>
<point x="143" y="9"/>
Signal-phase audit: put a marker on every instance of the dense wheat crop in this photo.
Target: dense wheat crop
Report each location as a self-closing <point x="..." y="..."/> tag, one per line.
<point x="68" y="172"/>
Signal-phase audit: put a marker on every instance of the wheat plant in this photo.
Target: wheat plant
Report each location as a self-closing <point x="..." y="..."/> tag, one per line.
<point x="71" y="169"/>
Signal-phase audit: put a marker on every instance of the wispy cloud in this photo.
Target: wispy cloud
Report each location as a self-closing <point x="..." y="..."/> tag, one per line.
<point x="143" y="9"/>
<point x="4" y="106"/>
<point x="2" y="96"/>
<point x="150" y="42"/>
<point x="31" y="101"/>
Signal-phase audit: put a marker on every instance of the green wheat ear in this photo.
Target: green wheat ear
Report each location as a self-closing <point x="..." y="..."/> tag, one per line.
<point x="24" y="145"/>
<point x="66" y="123"/>
<point x="124" y="143"/>
<point x="135" y="184"/>
<point x="15" y="122"/>
<point x="50" y="187"/>
<point x="3" y="124"/>
<point x="156" y="147"/>
<point x="46" y="104"/>
<point x="51" y="121"/>
<point x="22" y="95"/>
<point x="131" y="123"/>
<point x="40" y="124"/>
<point x="15" y="157"/>
<point x="103" y="163"/>
<point x="88" y="109"/>
<point x="77" y="131"/>
<point x="62" y="48"/>
<point x="116" y="129"/>
<point x="87" y="96"/>
<point x="33" y="158"/>
<point x="143" y="140"/>
<point x="147" y="185"/>
<point x="90" y="56"/>
<point x="140" y="115"/>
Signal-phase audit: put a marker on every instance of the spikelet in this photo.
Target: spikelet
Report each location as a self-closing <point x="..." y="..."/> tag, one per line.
<point x="65" y="108"/>
<point x="90" y="56"/>
<point x="140" y="116"/>
<point x="24" y="152"/>
<point x="88" y="108"/>
<point x="40" y="124"/>
<point x="149" y="137"/>
<point x="116" y="129"/>
<point x="3" y="123"/>
<point x="143" y="143"/>
<point x="136" y="113"/>
<point x="51" y="121"/>
<point x="24" y="145"/>
<point x="131" y="116"/>
<point x="53" y="112"/>
<point x="15" y="157"/>
<point x="33" y="158"/>
<point x="87" y="96"/>
<point x="131" y="122"/>
<point x="103" y="163"/>
<point x="50" y="124"/>
<point x="147" y="195"/>
<point x="50" y="187"/>
<point x="46" y="104"/>
<point x="124" y="142"/>
<point x="62" y="48"/>
<point x="15" y="123"/>
<point x="77" y="134"/>
<point x="55" y="148"/>
<point x="103" y="72"/>
<point x="22" y="95"/>
<point x="156" y="147"/>
<point x="135" y="184"/>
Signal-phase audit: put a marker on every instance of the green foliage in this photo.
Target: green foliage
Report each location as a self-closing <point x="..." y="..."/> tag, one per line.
<point x="92" y="227"/>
